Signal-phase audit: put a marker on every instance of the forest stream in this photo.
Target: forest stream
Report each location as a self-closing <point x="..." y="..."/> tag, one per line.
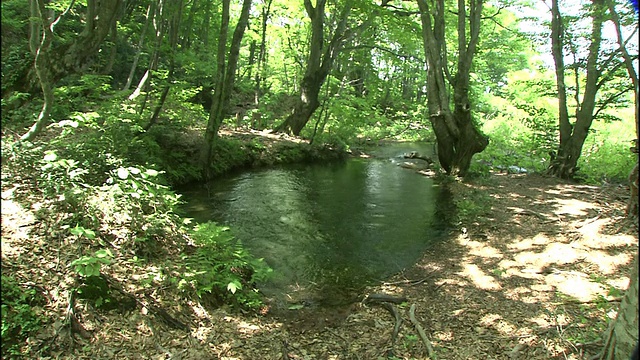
<point x="329" y="230"/>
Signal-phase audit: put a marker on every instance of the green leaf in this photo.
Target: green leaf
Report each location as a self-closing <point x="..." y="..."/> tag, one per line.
<point x="123" y="173"/>
<point x="104" y="253"/>
<point x="80" y="231"/>
<point x="50" y="156"/>
<point x="234" y="286"/>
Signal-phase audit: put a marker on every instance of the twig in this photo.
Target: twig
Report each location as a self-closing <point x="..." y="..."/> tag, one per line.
<point x="420" y="330"/>
<point x="396" y="328"/>
<point x="406" y="282"/>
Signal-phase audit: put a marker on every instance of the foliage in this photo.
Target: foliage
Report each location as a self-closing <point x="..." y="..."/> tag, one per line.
<point x="474" y="204"/>
<point x="88" y="266"/>
<point x="20" y="316"/>
<point x="221" y="267"/>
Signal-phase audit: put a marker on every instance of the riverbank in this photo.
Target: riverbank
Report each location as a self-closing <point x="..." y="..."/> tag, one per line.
<point x="537" y="275"/>
<point x="532" y="271"/>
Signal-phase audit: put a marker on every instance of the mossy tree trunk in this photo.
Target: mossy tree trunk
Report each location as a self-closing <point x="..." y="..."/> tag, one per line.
<point x="458" y="137"/>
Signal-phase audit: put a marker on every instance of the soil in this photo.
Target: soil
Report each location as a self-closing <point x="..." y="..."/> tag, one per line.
<point x="536" y="276"/>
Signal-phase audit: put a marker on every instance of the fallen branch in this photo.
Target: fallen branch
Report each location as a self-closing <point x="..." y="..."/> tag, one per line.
<point x="396" y="328"/>
<point x="387" y="301"/>
<point x="420" y="330"/>
<point x="378" y="298"/>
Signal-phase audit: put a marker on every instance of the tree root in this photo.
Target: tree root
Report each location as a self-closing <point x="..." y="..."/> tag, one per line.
<point x="387" y="301"/>
<point x="420" y="330"/>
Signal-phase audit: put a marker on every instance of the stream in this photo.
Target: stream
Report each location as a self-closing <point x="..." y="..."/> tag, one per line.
<point x="328" y="230"/>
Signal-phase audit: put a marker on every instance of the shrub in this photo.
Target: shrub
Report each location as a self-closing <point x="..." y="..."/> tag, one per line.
<point x="220" y="267"/>
<point x="19" y="316"/>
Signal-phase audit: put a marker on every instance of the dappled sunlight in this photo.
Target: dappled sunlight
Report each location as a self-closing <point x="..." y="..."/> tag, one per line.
<point x="479" y="278"/>
<point x="480" y="249"/>
<point x="498" y="323"/>
<point x="576" y="285"/>
<point x="608" y="264"/>
<point x="571" y="207"/>
<point x="529" y="243"/>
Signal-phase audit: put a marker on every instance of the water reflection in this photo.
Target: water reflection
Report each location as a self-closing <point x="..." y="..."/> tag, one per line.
<point x="328" y="229"/>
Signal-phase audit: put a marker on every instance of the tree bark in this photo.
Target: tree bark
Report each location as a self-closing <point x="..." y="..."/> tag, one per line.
<point x="622" y="337"/>
<point x="77" y="57"/>
<point x="136" y="58"/>
<point x="225" y="76"/>
<point x="266" y="11"/>
<point x="318" y="66"/>
<point x="174" y="28"/>
<point x="457" y="136"/>
<point x="157" y="18"/>
<point x="40" y="44"/>
<point x="564" y="164"/>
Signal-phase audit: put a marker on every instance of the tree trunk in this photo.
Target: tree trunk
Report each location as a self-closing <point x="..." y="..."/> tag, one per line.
<point x="157" y="18"/>
<point x="225" y="76"/>
<point x="186" y="39"/>
<point x="136" y="58"/>
<point x="564" y="164"/>
<point x="40" y="43"/>
<point x="622" y="337"/>
<point x="174" y="27"/>
<point x="77" y="57"/>
<point x="457" y="136"/>
<point x="319" y="65"/>
<point x="266" y="11"/>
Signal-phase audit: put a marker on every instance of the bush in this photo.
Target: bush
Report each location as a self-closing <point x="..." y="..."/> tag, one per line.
<point x="220" y="267"/>
<point x="19" y="316"/>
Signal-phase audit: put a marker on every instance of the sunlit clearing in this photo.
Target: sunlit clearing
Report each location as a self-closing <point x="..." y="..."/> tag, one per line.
<point x="592" y="237"/>
<point x="489" y="319"/>
<point x="479" y="278"/>
<point x="444" y="336"/>
<point x="554" y="253"/>
<point x="541" y="320"/>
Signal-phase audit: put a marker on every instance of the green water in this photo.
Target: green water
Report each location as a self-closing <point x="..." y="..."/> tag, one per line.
<point x="327" y="230"/>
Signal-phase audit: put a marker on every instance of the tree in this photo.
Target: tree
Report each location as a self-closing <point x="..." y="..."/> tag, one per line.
<point x="622" y="336"/>
<point x="457" y="135"/>
<point x="41" y="35"/>
<point x="70" y="58"/>
<point x="225" y="75"/>
<point x="592" y="76"/>
<point x="319" y="63"/>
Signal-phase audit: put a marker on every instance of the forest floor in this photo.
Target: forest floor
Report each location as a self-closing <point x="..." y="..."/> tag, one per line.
<point x="536" y="276"/>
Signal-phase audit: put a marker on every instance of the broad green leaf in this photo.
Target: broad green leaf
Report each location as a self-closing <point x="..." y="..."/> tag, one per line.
<point x="234" y="286"/>
<point x="123" y="173"/>
<point x="50" y="156"/>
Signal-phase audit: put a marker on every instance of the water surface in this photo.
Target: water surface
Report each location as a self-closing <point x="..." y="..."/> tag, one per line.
<point x="327" y="230"/>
